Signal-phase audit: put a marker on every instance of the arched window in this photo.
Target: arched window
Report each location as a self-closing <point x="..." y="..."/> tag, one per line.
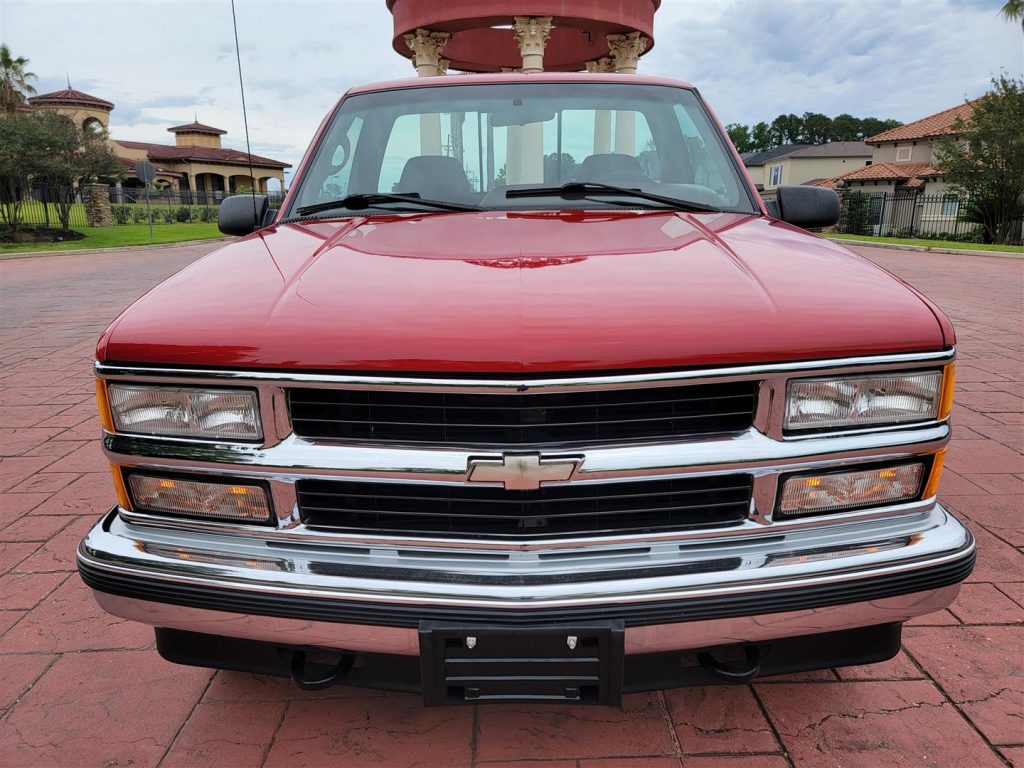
<point x="92" y="125"/>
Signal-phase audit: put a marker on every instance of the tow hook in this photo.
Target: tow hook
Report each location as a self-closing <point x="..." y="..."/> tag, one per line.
<point x="314" y="677"/>
<point x="733" y="673"/>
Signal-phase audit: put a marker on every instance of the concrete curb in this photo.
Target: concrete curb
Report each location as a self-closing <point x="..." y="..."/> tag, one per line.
<point x="927" y="248"/>
<point x="119" y="249"/>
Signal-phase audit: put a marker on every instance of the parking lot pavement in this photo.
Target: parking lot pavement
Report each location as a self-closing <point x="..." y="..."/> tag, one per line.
<point x="80" y="688"/>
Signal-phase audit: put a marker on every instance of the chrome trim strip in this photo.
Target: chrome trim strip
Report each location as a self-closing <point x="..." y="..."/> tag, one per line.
<point x="300" y="534"/>
<point x="296" y="458"/>
<point x="524" y="385"/>
<point x="646" y="639"/>
<point x="846" y="552"/>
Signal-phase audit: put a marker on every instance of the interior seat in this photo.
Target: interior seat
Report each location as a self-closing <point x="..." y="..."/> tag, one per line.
<point x="434" y="177"/>
<point x="611" y="168"/>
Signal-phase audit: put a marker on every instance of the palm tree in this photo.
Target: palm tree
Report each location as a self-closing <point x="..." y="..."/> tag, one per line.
<point x="14" y="87"/>
<point x="1013" y="10"/>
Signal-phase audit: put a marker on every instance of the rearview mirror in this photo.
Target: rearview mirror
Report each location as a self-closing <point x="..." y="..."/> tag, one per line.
<point x="243" y="214"/>
<point x="518" y="113"/>
<point x="807" y="207"/>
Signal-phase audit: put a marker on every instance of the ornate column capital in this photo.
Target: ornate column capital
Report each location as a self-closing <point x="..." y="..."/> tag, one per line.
<point x="625" y="50"/>
<point x="426" y="47"/>
<point x="532" y="34"/>
<point x="604" y="64"/>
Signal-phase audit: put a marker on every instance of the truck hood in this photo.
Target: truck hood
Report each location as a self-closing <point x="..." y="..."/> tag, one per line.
<point x="520" y="292"/>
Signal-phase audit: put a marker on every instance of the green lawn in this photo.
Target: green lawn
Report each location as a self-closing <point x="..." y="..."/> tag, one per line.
<point x="930" y="243"/>
<point x="116" y="237"/>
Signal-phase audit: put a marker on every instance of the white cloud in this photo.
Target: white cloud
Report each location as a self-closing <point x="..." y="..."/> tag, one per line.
<point x="162" y="62"/>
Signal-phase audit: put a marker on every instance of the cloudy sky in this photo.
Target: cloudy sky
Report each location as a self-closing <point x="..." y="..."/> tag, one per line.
<point x="163" y="61"/>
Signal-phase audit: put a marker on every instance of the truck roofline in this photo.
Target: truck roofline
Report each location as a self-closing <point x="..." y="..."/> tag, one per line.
<point x="492" y="78"/>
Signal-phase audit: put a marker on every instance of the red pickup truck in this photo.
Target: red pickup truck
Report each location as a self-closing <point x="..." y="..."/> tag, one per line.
<point x="525" y="394"/>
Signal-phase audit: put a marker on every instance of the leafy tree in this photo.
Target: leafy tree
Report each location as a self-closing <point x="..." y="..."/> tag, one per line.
<point x="786" y="129"/>
<point x="1013" y="10"/>
<point x="984" y="159"/>
<point x="44" y="147"/>
<point x="761" y="137"/>
<point x="20" y="155"/>
<point x="559" y="169"/>
<point x="846" y="127"/>
<point x="869" y="126"/>
<point x="740" y="137"/>
<point x="817" y="128"/>
<point x="809" y="128"/>
<point x="14" y="86"/>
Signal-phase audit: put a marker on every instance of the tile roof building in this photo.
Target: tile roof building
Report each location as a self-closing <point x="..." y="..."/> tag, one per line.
<point x="902" y="158"/>
<point x="196" y="163"/>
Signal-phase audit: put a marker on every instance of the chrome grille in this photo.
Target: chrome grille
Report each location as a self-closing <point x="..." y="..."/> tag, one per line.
<point x="588" y="416"/>
<point x="574" y="509"/>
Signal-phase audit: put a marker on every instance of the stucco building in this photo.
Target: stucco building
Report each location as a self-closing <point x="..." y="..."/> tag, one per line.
<point x="805" y="163"/>
<point x="196" y="164"/>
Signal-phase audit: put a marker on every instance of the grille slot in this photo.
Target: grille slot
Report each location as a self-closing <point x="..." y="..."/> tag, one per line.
<point x="584" y="416"/>
<point x="575" y="509"/>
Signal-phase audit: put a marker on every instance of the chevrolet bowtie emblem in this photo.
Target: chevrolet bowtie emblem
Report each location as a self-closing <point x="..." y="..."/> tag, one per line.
<point x="522" y="471"/>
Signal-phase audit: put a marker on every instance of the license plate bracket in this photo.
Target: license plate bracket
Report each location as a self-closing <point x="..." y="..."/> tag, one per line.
<point x="579" y="663"/>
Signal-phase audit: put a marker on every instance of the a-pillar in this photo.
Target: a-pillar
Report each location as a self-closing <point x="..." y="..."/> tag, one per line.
<point x="532" y="34"/>
<point x="625" y="52"/>
<point x="426" y="47"/>
<point x="603" y="117"/>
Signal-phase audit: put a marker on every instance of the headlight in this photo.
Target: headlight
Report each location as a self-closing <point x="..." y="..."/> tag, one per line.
<point x="211" y="414"/>
<point x="859" y="401"/>
<point x="838" y="491"/>
<point x="236" y="502"/>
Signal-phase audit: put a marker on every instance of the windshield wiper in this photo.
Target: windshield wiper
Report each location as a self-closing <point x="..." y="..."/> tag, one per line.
<point x="359" y="202"/>
<point x="578" y="190"/>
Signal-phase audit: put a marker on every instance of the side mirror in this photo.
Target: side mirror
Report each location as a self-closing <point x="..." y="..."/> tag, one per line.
<point x="237" y="216"/>
<point x="807" y="207"/>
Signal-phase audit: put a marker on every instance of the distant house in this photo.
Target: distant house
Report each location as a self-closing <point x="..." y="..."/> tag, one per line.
<point x="906" y="193"/>
<point x="804" y="163"/>
<point x="902" y="158"/>
<point x="196" y="164"/>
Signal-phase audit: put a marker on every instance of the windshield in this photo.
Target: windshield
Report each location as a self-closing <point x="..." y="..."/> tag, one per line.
<point x="471" y="144"/>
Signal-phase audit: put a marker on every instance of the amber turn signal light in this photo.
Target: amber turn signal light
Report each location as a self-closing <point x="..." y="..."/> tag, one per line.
<point x="103" y="405"/>
<point x="948" y="385"/>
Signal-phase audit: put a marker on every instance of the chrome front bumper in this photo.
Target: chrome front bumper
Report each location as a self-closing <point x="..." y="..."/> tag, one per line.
<point x="683" y="595"/>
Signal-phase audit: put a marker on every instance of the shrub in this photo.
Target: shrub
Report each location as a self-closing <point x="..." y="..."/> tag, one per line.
<point x="208" y="214"/>
<point x="122" y="214"/>
<point x="183" y="214"/>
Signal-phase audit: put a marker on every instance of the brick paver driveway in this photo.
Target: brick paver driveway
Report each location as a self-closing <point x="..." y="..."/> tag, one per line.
<point x="80" y="688"/>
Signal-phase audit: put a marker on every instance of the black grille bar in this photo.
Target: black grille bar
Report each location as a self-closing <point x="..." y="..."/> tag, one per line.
<point x="584" y="416"/>
<point x="576" y="509"/>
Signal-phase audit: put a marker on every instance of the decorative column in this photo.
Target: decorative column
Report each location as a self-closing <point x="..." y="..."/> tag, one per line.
<point x="532" y="34"/>
<point x="426" y="47"/>
<point x="603" y="117"/>
<point x="625" y="52"/>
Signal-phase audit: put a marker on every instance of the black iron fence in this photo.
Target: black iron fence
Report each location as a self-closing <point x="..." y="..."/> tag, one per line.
<point x="908" y="214"/>
<point x="56" y="208"/>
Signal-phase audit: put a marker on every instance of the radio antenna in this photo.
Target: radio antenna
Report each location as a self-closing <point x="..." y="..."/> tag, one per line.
<point x="245" y="118"/>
